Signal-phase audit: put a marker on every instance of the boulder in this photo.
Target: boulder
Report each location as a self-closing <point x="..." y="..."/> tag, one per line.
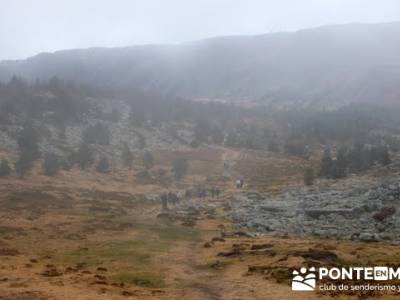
<point x="368" y="237"/>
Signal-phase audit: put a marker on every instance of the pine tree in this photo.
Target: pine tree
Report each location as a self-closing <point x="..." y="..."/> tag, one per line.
<point x="326" y="164"/>
<point x="340" y="164"/>
<point x="5" y="169"/>
<point x="179" y="168"/>
<point x="137" y="118"/>
<point x="97" y="134"/>
<point x="141" y="142"/>
<point x="23" y="164"/>
<point x="103" y="165"/>
<point x="148" y="160"/>
<point x="127" y="156"/>
<point x="357" y="158"/>
<point x="84" y="156"/>
<point x="273" y="146"/>
<point x="27" y="141"/>
<point x="384" y="157"/>
<point x="231" y="140"/>
<point x="51" y="164"/>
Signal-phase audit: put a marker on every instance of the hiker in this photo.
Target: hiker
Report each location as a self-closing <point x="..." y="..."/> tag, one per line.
<point x="164" y="201"/>
<point x="212" y="192"/>
<point x="174" y="198"/>
<point x="188" y="194"/>
<point x="238" y="183"/>
<point x="222" y="231"/>
<point x="179" y="197"/>
<point x="217" y="191"/>
<point x="171" y="198"/>
<point x="199" y="192"/>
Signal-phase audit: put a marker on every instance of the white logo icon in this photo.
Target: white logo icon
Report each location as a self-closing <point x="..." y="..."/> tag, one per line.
<point x="303" y="280"/>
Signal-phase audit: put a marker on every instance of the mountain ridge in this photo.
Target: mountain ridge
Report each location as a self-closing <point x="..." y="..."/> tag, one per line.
<point x="325" y="66"/>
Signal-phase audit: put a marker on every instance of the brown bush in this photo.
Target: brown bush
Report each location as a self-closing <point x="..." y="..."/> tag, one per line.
<point x="384" y="213"/>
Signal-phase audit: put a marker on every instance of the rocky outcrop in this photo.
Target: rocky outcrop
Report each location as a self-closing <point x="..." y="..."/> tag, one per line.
<point x="367" y="213"/>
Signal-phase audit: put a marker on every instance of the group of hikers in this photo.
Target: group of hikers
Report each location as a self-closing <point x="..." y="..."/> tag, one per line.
<point x="172" y="198"/>
<point x="169" y="198"/>
<point x="239" y="183"/>
<point x="214" y="192"/>
<point x="201" y="192"/>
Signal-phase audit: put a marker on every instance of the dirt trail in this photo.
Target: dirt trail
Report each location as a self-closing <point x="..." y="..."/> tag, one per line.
<point x="229" y="159"/>
<point x="183" y="268"/>
<point x="204" y="283"/>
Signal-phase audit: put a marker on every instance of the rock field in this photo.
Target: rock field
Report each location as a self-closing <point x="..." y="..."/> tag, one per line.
<point x="369" y="212"/>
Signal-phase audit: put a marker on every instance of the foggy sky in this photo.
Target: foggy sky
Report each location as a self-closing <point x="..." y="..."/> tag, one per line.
<point x="28" y="27"/>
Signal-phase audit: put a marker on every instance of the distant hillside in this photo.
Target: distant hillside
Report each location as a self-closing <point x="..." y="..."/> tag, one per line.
<point x="323" y="67"/>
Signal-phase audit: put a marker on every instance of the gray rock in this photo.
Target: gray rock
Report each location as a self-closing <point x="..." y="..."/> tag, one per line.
<point x="368" y="237"/>
<point x="345" y="213"/>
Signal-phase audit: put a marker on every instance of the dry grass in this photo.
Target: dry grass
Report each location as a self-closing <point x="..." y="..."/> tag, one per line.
<point x="103" y="238"/>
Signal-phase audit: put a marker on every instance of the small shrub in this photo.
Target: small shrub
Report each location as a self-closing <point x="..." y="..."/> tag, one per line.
<point x="148" y="280"/>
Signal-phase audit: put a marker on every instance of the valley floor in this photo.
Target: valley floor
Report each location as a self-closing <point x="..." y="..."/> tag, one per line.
<point x="87" y="236"/>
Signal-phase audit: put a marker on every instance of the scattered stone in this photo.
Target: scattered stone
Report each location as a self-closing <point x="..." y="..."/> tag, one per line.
<point x="9" y="252"/>
<point x="163" y="215"/>
<point x="100" y="277"/>
<point x="258" y="269"/>
<point x="233" y="252"/>
<point x="217" y="265"/>
<point x="367" y="237"/>
<point x="217" y="239"/>
<point x="243" y="234"/>
<point x="189" y="222"/>
<point x="51" y="272"/>
<point x="155" y="292"/>
<point x="81" y="266"/>
<point x="126" y="293"/>
<point x="262" y="246"/>
<point x="207" y="245"/>
<point x="324" y="256"/>
<point x="28" y="295"/>
<point x="241" y="246"/>
<point x="71" y="270"/>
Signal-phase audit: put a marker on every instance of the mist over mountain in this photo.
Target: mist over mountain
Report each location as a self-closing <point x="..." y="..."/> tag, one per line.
<point x="323" y="67"/>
